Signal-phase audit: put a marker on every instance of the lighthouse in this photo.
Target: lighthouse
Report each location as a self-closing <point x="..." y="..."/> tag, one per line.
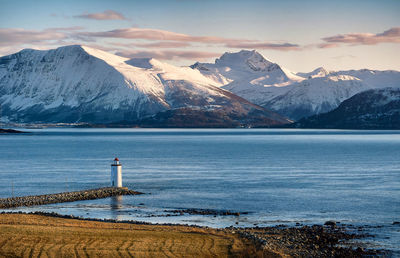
<point x="116" y="173"/>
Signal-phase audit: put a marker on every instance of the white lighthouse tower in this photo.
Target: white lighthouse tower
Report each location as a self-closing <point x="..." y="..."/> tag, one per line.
<point x="116" y="173"/>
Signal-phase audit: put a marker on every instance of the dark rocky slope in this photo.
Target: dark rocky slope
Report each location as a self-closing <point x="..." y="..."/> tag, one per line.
<point x="372" y="109"/>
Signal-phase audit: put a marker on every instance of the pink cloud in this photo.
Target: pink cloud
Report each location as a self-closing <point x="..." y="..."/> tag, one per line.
<point x="73" y="28"/>
<point x="393" y="32"/>
<point x="328" y="45"/>
<point x="106" y="15"/>
<point x="163" y="44"/>
<point x="16" y="36"/>
<point x="169" y="54"/>
<point x="182" y="40"/>
<point x="158" y="44"/>
<point x="343" y="56"/>
<point x="389" y="36"/>
<point x="163" y="35"/>
<point x="264" y="45"/>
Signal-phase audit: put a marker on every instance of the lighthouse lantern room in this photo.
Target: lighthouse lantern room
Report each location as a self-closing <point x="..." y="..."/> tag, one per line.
<point x="116" y="173"/>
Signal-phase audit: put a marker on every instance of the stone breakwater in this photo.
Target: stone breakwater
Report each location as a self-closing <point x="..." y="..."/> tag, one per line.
<point x="65" y="197"/>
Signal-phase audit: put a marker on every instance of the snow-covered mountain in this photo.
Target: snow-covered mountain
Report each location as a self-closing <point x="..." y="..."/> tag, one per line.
<point x="371" y="109"/>
<point x="319" y="72"/>
<point x="315" y="95"/>
<point x="249" y="75"/>
<point x="82" y="84"/>
<point x="375" y="79"/>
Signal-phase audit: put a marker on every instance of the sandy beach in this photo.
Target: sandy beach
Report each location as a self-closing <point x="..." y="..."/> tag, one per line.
<point x="33" y="235"/>
<point x="23" y="235"/>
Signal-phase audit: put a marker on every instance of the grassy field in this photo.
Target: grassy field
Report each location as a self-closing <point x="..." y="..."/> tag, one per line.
<point x="23" y="235"/>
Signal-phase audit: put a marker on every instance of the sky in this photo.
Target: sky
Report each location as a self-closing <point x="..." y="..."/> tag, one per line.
<point x="299" y="35"/>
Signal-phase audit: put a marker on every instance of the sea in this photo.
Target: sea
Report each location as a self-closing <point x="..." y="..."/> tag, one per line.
<point x="270" y="176"/>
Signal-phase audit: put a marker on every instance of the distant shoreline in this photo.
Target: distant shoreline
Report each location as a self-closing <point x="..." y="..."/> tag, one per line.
<point x="10" y="131"/>
<point x="126" y="126"/>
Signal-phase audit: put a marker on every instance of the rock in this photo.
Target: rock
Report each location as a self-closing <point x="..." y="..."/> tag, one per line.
<point x="203" y="212"/>
<point x="330" y="223"/>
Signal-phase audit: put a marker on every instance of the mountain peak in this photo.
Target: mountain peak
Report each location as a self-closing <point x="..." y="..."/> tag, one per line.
<point x="145" y="62"/>
<point x="71" y="48"/>
<point x="250" y="58"/>
<point x="74" y="46"/>
<point x="242" y="55"/>
<point x="319" y="72"/>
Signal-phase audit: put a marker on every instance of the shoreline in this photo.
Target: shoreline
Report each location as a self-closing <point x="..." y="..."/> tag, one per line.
<point x="128" y="126"/>
<point x="10" y="131"/>
<point x="329" y="240"/>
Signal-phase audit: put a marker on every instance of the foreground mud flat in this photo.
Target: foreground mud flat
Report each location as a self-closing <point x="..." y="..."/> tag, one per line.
<point x="30" y="235"/>
<point x="53" y="235"/>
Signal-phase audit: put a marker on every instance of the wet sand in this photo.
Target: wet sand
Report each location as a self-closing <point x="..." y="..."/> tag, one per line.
<point x="52" y="235"/>
<point x="27" y="235"/>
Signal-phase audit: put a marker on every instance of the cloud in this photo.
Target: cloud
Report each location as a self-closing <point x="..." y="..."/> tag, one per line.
<point x="168" y="39"/>
<point x="265" y="45"/>
<point x="106" y="15"/>
<point x="162" y="35"/>
<point x="163" y="44"/>
<point x="389" y="36"/>
<point x="328" y="45"/>
<point x="393" y="32"/>
<point x="73" y="28"/>
<point x="169" y="54"/>
<point x="151" y="41"/>
<point x="158" y="44"/>
<point x="343" y="56"/>
<point x="16" y="36"/>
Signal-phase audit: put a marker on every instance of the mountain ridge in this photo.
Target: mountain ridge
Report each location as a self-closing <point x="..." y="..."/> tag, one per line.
<point x="81" y="84"/>
<point x="76" y="84"/>
<point x="295" y="95"/>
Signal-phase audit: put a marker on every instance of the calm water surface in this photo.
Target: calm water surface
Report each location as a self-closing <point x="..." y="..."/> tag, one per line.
<point x="277" y="176"/>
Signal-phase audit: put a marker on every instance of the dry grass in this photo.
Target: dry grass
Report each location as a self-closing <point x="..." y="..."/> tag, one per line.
<point x="23" y="235"/>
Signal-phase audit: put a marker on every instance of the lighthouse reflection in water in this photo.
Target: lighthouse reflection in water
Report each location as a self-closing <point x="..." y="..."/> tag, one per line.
<point x="116" y="206"/>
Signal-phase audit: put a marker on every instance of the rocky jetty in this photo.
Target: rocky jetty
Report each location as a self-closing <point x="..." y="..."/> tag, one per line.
<point x="65" y="197"/>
